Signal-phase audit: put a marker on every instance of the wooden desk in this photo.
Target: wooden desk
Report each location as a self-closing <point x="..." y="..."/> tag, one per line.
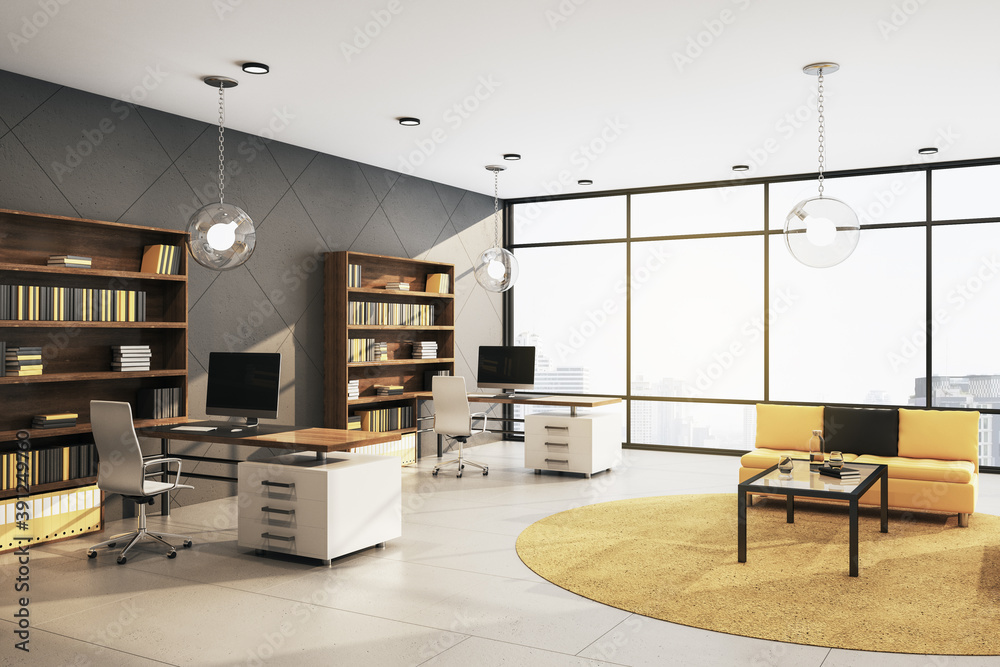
<point x="571" y="402"/>
<point x="322" y="441"/>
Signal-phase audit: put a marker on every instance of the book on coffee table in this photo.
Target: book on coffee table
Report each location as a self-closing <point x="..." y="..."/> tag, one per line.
<point x="840" y="473"/>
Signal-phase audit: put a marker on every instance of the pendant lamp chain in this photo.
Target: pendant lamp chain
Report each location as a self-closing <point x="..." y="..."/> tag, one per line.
<point x="496" y="208"/>
<point x="222" y="142"/>
<point x="822" y="133"/>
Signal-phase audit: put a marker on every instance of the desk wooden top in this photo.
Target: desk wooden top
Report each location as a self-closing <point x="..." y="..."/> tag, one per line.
<point x="560" y="401"/>
<point x="301" y="439"/>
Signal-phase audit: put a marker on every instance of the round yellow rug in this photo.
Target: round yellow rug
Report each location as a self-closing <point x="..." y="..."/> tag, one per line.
<point x="927" y="586"/>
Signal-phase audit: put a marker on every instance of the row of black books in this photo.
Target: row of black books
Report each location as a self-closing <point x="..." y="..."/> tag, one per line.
<point x="160" y="403"/>
<point x="75" y="261"/>
<point x="45" y="466"/>
<point x="390" y="314"/>
<point x="61" y="420"/>
<point x="386" y="419"/>
<point x="71" y="304"/>
<point x="366" y="349"/>
<point x="354" y="275"/>
<point x="130" y="357"/>
<point x="22" y="360"/>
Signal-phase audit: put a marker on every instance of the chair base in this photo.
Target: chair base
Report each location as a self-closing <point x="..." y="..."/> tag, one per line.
<point x="136" y="536"/>
<point x="461" y="461"/>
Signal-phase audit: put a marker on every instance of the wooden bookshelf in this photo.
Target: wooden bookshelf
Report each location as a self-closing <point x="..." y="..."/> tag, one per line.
<point x="77" y="355"/>
<point x="400" y="368"/>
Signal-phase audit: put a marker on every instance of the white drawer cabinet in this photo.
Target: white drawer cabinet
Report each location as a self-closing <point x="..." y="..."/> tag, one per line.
<point x="584" y="443"/>
<point x="297" y="504"/>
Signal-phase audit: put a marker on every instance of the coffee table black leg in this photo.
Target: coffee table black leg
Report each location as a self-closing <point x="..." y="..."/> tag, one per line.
<point x="854" y="537"/>
<point x="741" y="519"/>
<point x="884" y="483"/>
<point x="790" y="508"/>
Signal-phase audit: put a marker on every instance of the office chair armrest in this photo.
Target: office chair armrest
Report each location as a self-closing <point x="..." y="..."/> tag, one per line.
<point x="168" y="461"/>
<point x="479" y="415"/>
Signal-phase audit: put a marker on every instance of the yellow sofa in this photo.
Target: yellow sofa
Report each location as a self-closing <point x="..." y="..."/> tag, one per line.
<point x="933" y="462"/>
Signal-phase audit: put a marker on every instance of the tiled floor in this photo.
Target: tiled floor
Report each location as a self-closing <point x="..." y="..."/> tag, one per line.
<point x="450" y="591"/>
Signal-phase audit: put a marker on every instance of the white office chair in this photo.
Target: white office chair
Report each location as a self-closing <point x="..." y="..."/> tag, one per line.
<point x="452" y="417"/>
<point x="122" y="470"/>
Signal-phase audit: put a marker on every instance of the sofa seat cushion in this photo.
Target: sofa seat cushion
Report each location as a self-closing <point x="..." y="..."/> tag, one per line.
<point x="787" y="426"/>
<point x="765" y="458"/>
<point x="861" y="430"/>
<point x="928" y="470"/>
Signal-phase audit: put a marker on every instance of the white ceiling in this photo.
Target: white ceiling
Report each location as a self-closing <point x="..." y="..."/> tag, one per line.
<point x="562" y="75"/>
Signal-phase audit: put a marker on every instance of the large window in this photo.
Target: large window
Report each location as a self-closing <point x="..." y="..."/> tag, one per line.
<point x="686" y="303"/>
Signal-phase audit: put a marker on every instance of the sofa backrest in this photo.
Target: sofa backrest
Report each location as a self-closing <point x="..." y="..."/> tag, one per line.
<point x="939" y="434"/>
<point x="861" y="430"/>
<point x="787" y="426"/>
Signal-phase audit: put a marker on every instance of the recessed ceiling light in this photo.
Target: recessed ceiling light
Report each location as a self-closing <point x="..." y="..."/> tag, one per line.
<point x="256" y="68"/>
<point x="929" y="150"/>
<point x="741" y="167"/>
<point x="408" y="121"/>
<point x="511" y="156"/>
<point x="585" y="181"/>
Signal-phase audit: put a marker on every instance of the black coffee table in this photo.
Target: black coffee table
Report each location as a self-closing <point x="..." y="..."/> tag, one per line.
<point x="808" y="484"/>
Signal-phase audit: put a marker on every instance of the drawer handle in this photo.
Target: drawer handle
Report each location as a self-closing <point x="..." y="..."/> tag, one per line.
<point x="556" y="428"/>
<point x="269" y="536"/>
<point x="275" y="510"/>
<point x="290" y="485"/>
<point x="557" y="444"/>
<point x="566" y="461"/>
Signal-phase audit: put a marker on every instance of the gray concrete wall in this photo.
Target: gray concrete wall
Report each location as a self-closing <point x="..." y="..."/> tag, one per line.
<point x="68" y="152"/>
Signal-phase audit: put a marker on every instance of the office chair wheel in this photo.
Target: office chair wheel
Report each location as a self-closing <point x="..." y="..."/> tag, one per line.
<point x="187" y="544"/>
<point x="434" y="472"/>
<point x="121" y="560"/>
<point x="486" y="471"/>
<point x="461" y="467"/>
<point x="91" y="554"/>
<point x="459" y="474"/>
<point x="172" y="554"/>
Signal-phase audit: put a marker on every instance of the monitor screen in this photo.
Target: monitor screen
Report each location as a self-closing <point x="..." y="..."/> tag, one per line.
<point x="243" y="384"/>
<point x="506" y="367"/>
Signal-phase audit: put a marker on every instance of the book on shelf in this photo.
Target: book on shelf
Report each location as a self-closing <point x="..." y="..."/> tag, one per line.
<point x="71" y="304"/>
<point x="3" y="355"/>
<point x="160" y="403"/>
<point x="388" y="389"/>
<point x="22" y="360"/>
<point x="397" y="286"/>
<point x="381" y="420"/>
<point x="354" y="275"/>
<point x="840" y="473"/>
<point x="70" y="260"/>
<point x="354" y="422"/>
<point x="163" y="259"/>
<point x="438" y="283"/>
<point x="375" y="313"/>
<point x="61" y="420"/>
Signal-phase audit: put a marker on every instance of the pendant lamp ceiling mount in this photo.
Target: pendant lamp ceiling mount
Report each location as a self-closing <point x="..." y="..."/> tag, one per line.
<point x="816" y="69"/>
<point x="221" y="82"/>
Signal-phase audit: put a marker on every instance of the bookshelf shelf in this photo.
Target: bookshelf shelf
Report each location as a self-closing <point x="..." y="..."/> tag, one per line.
<point x="376" y="271"/>
<point x="77" y="355"/>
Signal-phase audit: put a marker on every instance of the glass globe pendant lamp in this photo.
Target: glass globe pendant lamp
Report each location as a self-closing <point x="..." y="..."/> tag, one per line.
<point x="221" y="236"/>
<point x="821" y="231"/>
<point x="496" y="268"/>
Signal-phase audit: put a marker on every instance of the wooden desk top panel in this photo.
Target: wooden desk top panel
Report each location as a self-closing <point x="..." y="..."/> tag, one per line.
<point x="561" y="401"/>
<point x="307" y="439"/>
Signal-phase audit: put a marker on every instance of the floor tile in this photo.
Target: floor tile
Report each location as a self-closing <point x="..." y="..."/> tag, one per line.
<point x="485" y="653"/>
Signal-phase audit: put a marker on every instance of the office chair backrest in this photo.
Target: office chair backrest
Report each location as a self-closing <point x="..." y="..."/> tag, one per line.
<point x="451" y="405"/>
<point x="120" y="469"/>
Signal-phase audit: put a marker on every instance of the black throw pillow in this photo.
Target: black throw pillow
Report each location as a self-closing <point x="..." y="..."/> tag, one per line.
<point x="861" y="430"/>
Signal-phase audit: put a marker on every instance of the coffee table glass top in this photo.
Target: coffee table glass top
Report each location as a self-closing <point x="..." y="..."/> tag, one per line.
<point x="804" y="480"/>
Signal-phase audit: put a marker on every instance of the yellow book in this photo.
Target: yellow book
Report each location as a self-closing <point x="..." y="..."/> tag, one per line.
<point x="437" y="283"/>
<point x="152" y="258"/>
<point x="64" y="415"/>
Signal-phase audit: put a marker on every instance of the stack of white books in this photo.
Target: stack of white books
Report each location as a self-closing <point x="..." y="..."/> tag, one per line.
<point x="353" y="389"/>
<point x="425" y="349"/>
<point x="130" y="357"/>
<point x="398" y="286"/>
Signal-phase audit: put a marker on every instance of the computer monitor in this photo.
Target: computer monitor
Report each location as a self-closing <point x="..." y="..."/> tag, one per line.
<point x="243" y="384"/>
<point x="506" y="367"/>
